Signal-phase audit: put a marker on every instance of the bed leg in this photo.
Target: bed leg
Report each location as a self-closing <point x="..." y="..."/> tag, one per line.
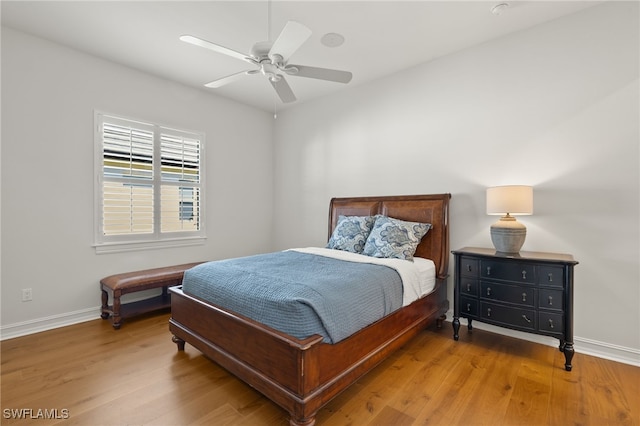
<point x="178" y="341"/>
<point x="440" y="320"/>
<point x="311" y="421"/>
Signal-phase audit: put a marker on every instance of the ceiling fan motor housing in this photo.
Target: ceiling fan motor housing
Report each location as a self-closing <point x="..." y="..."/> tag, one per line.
<point x="260" y="50"/>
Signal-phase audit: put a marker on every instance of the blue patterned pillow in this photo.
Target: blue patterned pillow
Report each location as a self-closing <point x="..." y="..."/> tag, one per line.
<point x="351" y="233"/>
<point x="394" y="238"/>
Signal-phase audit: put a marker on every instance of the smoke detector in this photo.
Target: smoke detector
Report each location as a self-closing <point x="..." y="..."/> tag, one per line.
<point x="332" y="39"/>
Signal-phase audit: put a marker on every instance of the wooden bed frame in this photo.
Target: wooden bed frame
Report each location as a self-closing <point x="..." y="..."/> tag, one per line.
<point x="301" y="376"/>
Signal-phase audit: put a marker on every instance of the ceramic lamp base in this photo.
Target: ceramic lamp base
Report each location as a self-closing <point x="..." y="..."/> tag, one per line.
<point x="508" y="235"/>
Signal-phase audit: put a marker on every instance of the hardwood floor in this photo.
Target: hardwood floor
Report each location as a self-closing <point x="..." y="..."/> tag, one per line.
<point x="90" y="374"/>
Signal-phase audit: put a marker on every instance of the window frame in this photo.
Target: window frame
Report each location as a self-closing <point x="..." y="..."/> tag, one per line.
<point x="156" y="239"/>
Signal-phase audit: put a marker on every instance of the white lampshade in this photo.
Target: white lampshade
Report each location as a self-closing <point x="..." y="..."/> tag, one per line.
<point x="511" y="199"/>
<point x="507" y="234"/>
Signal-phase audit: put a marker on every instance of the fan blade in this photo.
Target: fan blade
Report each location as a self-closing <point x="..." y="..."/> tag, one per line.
<point x="215" y="47"/>
<point x="319" y="73"/>
<point x="293" y="36"/>
<point x="283" y="89"/>
<point x="228" y="79"/>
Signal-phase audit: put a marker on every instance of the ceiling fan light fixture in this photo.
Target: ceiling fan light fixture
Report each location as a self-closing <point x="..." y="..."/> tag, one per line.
<point x="277" y="60"/>
<point x="332" y="40"/>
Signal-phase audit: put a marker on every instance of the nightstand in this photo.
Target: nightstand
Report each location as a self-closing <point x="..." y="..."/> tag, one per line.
<point x="528" y="291"/>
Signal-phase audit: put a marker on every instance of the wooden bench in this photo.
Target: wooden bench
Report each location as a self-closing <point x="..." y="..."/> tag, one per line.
<point x="131" y="282"/>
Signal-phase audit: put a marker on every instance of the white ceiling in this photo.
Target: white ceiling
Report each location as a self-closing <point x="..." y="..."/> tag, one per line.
<point x="382" y="37"/>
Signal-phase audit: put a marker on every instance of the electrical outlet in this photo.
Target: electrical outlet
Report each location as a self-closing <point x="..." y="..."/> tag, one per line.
<point x="27" y="295"/>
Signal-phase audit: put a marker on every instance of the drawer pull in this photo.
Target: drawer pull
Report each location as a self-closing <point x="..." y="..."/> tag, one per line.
<point x="468" y="307"/>
<point x="524" y="297"/>
<point x="550" y="300"/>
<point x="468" y="287"/>
<point x="488" y="270"/>
<point x="468" y="267"/>
<point x="550" y="277"/>
<point x="550" y="323"/>
<point x="526" y="319"/>
<point x="488" y="312"/>
<point x="524" y="274"/>
<point x="488" y="291"/>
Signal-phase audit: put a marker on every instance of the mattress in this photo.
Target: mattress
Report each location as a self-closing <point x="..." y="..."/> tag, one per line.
<point x="310" y="291"/>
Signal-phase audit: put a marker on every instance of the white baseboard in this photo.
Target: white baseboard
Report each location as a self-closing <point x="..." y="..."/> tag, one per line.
<point x="61" y="320"/>
<point x="581" y="345"/>
<point x="607" y="351"/>
<point x="48" y="323"/>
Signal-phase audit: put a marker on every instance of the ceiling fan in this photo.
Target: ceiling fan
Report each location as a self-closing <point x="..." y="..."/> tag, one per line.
<point x="272" y="58"/>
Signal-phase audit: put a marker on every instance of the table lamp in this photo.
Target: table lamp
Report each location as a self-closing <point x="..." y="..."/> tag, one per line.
<point x="507" y="234"/>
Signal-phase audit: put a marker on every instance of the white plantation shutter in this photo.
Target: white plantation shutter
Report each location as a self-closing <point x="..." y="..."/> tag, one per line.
<point x="127" y="186"/>
<point x="149" y="182"/>
<point x="128" y="208"/>
<point x="180" y="158"/>
<point x="127" y="151"/>
<point x="180" y="193"/>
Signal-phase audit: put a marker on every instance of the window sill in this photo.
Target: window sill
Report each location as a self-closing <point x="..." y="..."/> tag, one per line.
<point x="120" y="247"/>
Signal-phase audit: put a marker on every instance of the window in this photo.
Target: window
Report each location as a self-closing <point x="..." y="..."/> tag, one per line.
<point x="149" y="186"/>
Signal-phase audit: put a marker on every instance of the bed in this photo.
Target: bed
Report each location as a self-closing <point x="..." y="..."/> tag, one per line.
<point x="302" y="374"/>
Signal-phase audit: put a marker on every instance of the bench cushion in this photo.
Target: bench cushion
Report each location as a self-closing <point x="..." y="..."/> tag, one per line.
<point x="149" y="278"/>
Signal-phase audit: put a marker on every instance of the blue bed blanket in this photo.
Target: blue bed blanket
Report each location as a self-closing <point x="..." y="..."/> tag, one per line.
<point x="300" y="294"/>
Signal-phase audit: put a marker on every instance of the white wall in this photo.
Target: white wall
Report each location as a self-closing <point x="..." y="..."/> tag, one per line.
<point x="555" y="106"/>
<point x="49" y="93"/>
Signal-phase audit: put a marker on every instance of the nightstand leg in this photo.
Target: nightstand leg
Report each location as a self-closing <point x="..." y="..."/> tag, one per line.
<point x="568" y="355"/>
<point x="456" y="328"/>
<point x="469" y="326"/>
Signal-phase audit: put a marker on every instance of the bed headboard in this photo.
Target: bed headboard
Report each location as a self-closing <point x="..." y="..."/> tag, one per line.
<point x="433" y="209"/>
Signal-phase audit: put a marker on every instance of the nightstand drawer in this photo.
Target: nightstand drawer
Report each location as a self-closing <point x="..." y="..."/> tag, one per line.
<point x="507" y="293"/>
<point x="513" y="317"/>
<point x="551" y="323"/>
<point x="551" y="275"/>
<point x="508" y="271"/>
<point x="469" y="266"/>
<point x="468" y="286"/>
<point x="551" y="299"/>
<point x="468" y="306"/>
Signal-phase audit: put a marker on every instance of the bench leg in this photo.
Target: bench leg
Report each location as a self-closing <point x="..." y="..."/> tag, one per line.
<point x="105" y="311"/>
<point x="114" y="312"/>
<point x="117" y="319"/>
